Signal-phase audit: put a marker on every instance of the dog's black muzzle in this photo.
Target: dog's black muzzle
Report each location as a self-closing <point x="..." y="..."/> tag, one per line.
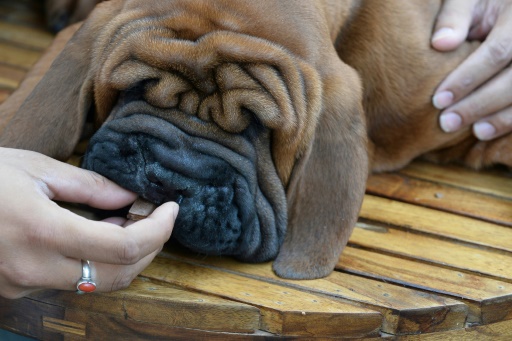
<point x="223" y="209"/>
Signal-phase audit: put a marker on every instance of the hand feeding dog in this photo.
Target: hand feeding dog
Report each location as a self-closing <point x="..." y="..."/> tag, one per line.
<point x="263" y="118"/>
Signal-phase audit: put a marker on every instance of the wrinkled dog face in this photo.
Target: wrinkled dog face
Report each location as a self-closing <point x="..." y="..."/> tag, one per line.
<point x="189" y="118"/>
<point x="219" y="178"/>
<point x="242" y="111"/>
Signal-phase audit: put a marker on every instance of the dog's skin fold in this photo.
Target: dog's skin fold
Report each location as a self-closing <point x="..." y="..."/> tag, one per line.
<point x="261" y="118"/>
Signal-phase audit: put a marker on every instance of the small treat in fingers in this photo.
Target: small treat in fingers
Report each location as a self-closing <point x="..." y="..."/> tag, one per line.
<point x="140" y="209"/>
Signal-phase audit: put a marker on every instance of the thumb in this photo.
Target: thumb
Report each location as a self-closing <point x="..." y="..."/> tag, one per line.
<point x="453" y="23"/>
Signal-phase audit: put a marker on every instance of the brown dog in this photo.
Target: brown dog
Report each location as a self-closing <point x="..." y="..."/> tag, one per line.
<point x="249" y="114"/>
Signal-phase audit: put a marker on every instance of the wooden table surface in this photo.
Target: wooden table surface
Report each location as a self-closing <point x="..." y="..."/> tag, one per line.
<point x="430" y="259"/>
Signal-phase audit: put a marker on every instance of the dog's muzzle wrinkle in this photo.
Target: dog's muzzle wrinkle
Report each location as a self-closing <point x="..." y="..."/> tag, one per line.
<point x="220" y="200"/>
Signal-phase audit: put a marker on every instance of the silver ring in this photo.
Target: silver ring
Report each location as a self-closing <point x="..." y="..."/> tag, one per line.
<point x="85" y="284"/>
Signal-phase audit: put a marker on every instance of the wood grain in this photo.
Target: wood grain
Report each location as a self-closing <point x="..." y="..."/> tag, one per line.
<point x="156" y="304"/>
<point x="18" y="56"/>
<point x="10" y="77"/>
<point x="284" y="311"/>
<point x="493" y="183"/>
<point x="25" y="37"/>
<point x="442" y="197"/>
<point x="426" y="220"/>
<point x="488" y="300"/>
<point x="495" y="331"/>
<point x="432" y="250"/>
<point x="404" y="310"/>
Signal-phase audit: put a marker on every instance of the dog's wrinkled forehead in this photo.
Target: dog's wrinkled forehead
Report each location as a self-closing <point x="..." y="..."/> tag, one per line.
<point x="220" y="76"/>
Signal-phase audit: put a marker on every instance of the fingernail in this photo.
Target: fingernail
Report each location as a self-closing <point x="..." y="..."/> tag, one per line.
<point x="450" y="122"/>
<point x="484" y="130"/>
<point x="443" y="33"/>
<point x="443" y="99"/>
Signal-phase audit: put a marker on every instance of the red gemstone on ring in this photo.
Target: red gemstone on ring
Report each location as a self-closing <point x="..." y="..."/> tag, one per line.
<point x="87" y="287"/>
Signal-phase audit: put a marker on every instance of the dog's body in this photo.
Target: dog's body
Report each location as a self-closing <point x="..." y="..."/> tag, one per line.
<point x="250" y="115"/>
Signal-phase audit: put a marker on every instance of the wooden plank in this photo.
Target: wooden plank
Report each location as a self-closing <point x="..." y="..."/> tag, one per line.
<point x="151" y="303"/>
<point x="47" y="321"/>
<point x="107" y="327"/>
<point x="4" y="93"/>
<point x="63" y="326"/>
<point x="422" y="219"/>
<point x="24" y="316"/>
<point x="437" y="251"/>
<point x="18" y="56"/>
<point x="442" y="197"/>
<point x="10" y="77"/>
<point x="495" y="331"/>
<point x="284" y="311"/>
<point x="404" y="310"/>
<point x="498" y="184"/>
<point x="489" y="300"/>
<point x="23" y="36"/>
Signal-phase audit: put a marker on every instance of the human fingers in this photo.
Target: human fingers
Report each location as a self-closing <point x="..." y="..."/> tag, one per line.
<point x="37" y="260"/>
<point x="64" y="273"/>
<point x="76" y="237"/>
<point x="73" y="184"/>
<point x="61" y="181"/>
<point x="494" y="126"/>
<point x="482" y="105"/>
<point x="491" y="57"/>
<point x="452" y="24"/>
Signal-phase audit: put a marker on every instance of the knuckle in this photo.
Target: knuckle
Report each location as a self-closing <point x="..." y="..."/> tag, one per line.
<point x="21" y="277"/>
<point x="128" y="251"/>
<point x="97" y="180"/>
<point x="500" y="51"/>
<point x="11" y="284"/>
<point x="40" y="235"/>
<point x="504" y="120"/>
<point x="123" y="280"/>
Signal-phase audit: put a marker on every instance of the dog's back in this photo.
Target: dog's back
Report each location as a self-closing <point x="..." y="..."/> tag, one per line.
<point x="388" y="43"/>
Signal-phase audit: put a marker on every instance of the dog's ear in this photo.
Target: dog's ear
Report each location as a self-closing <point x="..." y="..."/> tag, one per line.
<point x="327" y="184"/>
<point x="51" y="118"/>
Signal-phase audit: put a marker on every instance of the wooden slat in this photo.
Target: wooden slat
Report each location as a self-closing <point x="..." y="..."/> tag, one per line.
<point x="156" y="304"/>
<point x="24" y="36"/>
<point x="488" y="300"/>
<point x="443" y="197"/>
<point x="284" y="311"/>
<point x="24" y="316"/>
<point x="18" y="56"/>
<point x="404" y="310"/>
<point x="492" y="332"/>
<point x="483" y="182"/>
<point x="429" y="249"/>
<point x="48" y="321"/>
<point x="107" y="327"/>
<point x="417" y="218"/>
<point x="4" y="93"/>
<point x="10" y="77"/>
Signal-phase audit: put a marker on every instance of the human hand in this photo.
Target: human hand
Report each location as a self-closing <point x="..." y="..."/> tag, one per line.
<point x="42" y="244"/>
<point x="479" y="90"/>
